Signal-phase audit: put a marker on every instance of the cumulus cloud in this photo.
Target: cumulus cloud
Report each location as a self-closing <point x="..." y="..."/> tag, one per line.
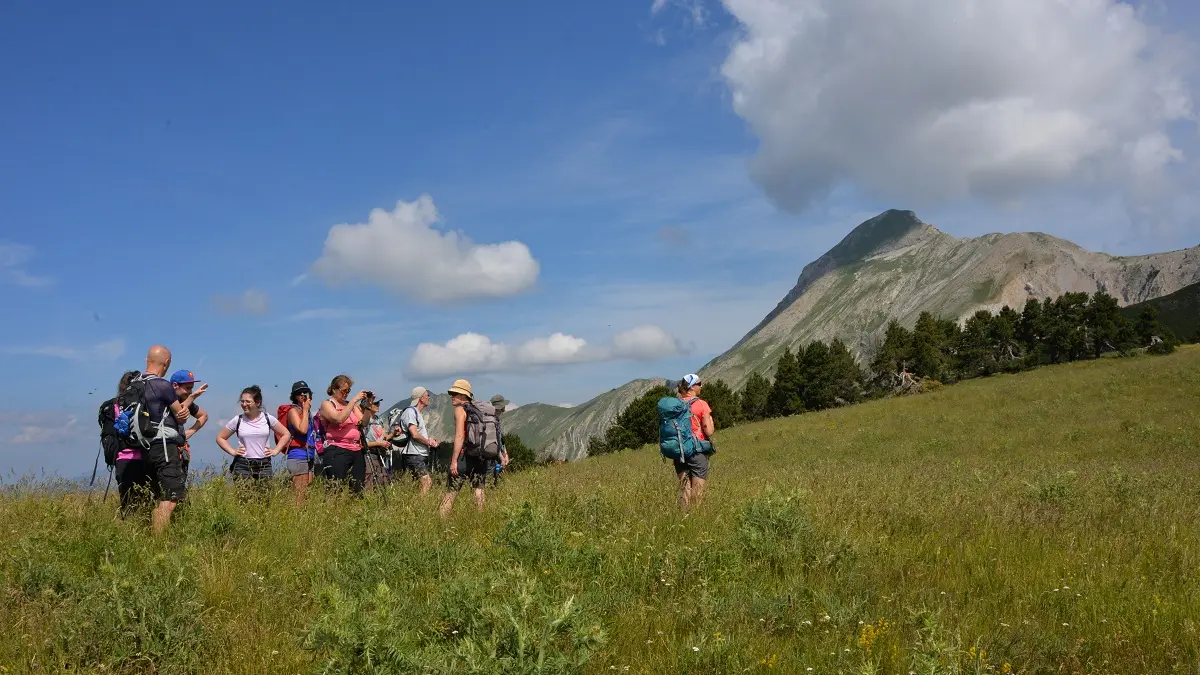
<point x="472" y="353"/>
<point x="251" y="301"/>
<point x="109" y="350"/>
<point x="944" y="99"/>
<point x="401" y="251"/>
<point x="13" y="258"/>
<point x="46" y="429"/>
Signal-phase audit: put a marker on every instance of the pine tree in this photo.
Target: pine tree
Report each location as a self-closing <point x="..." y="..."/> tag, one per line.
<point x="520" y="456"/>
<point x="894" y="355"/>
<point x="1029" y="332"/>
<point x="726" y="408"/>
<point x="849" y="380"/>
<point x="1108" y="329"/>
<point x="1002" y="336"/>
<point x="755" y="397"/>
<point x="975" y="350"/>
<point x="785" y="390"/>
<point x="816" y="375"/>
<point x="929" y="348"/>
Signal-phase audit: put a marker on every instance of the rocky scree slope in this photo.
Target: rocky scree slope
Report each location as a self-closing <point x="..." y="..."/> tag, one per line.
<point x="896" y="266"/>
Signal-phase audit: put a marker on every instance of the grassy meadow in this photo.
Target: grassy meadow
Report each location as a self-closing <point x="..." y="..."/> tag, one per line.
<point x="1041" y="522"/>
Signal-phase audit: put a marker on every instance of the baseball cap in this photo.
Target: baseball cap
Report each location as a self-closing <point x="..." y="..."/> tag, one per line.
<point x="691" y="379"/>
<point x="300" y="387"/>
<point x="417" y="393"/>
<point x="183" y="377"/>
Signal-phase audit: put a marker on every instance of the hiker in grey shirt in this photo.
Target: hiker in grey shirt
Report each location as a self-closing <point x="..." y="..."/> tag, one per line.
<point x="414" y="455"/>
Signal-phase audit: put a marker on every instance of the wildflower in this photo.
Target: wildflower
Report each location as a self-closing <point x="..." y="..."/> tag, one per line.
<point x="1066" y="625"/>
<point x="1006" y="668"/>
<point x="1066" y="587"/>
<point x="695" y="649"/>
<point x="649" y="642"/>
<point x="454" y="632"/>
<point x="809" y="669"/>
<point x="274" y="652"/>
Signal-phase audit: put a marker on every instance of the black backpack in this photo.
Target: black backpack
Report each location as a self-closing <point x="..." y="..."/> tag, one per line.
<point x="133" y="423"/>
<point x="110" y="440"/>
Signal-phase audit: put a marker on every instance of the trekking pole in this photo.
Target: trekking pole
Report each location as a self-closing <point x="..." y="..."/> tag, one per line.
<point x="96" y="465"/>
<point x="107" y="486"/>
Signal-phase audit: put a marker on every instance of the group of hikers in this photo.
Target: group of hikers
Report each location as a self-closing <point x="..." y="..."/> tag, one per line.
<point x="145" y="438"/>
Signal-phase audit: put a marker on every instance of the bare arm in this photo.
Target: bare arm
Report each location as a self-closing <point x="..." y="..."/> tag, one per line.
<point x="460" y="435"/>
<point x="710" y="427"/>
<point x="285" y="437"/>
<point x="201" y="420"/>
<point x="414" y="434"/>
<point x="223" y="443"/>
<point x="331" y="414"/>
<point x="298" y="419"/>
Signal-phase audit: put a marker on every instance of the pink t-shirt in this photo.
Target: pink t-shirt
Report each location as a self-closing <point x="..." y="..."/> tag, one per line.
<point x="345" y="435"/>
<point x="700" y="408"/>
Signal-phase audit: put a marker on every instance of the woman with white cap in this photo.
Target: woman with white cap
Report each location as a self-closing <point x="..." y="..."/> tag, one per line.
<point x="693" y="471"/>
<point x="474" y="468"/>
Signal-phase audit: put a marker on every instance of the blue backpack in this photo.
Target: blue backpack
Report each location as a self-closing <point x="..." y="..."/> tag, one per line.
<point x="675" y="438"/>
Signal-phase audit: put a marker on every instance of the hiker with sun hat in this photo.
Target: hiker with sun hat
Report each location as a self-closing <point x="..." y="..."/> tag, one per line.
<point x="476" y="445"/>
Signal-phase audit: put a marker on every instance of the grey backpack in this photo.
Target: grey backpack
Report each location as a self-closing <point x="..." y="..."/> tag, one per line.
<point x="483" y="433"/>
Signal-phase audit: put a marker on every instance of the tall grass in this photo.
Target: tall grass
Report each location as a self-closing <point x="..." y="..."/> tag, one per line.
<point x="1041" y="522"/>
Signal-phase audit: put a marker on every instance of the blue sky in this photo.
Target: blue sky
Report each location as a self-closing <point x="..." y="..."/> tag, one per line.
<point x="173" y="173"/>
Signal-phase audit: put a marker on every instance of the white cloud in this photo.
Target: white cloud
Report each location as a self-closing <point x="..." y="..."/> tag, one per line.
<point x="693" y="10"/>
<point x="644" y="343"/>
<point x="110" y="350"/>
<point x="401" y="251"/>
<point x="332" y="314"/>
<point x="251" y="301"/>
<point x="12" y="266"/>
<point x="943" y="99"/>
<point x="47" y="432"/>
<point x="472" y="353"/>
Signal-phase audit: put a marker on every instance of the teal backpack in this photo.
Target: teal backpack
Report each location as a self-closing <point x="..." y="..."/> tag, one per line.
<point x="675" y="439"/>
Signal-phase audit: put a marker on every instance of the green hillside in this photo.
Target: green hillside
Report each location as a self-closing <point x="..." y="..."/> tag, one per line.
<point x="1031" y="523"/>
<point x="1179" y="311"/>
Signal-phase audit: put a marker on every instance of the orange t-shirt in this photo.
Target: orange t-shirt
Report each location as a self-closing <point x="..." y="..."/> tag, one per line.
<point x="700" y="408"/>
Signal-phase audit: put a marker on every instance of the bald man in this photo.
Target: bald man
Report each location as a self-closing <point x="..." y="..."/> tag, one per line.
<point x="165" y="461"/>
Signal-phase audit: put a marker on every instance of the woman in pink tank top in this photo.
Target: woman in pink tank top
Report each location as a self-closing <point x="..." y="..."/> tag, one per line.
<point x="343" y="457"/>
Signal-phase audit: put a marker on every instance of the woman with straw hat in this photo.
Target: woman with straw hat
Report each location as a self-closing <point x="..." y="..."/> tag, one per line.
<point x="464" y="467"/>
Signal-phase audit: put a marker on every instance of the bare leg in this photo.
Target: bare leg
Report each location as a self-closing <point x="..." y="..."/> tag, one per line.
<point x="161" y="517"/>
<point x="479" y="499"/>
<point x="426" y="483"/>
<point x="685" y="490"/>
<point x="447" y="504"/>
<point x="300" y="485"/>
<point x="698" y="487"/>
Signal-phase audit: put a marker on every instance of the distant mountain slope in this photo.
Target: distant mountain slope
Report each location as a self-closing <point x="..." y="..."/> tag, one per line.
<point x="895" y="266"/>
<point x="563" y="433"/>
<point x="552" y="431"/>
<point x="1179" y="311"/>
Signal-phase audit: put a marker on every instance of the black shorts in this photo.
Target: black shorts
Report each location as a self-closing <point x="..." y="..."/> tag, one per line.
<point x="417" y="465"/>
<point x="475" y="469"/>
<point x="253" y="469"/>
<point x="695" y="466"/>
<point x="167" y="465"/>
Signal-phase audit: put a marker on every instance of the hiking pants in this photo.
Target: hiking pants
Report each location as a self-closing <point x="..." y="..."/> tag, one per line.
<point x="133" y="484"/>
<point x="345" y="465"/>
